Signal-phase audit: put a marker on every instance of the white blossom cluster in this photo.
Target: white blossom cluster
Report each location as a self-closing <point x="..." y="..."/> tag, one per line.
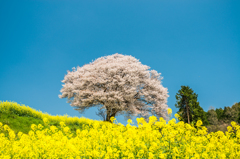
<point x="119" y="83"/>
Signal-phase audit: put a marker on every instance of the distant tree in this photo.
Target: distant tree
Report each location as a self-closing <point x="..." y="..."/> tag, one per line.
<point x="236" y="112"/>
<point x="118" y="84"/>
<point x="228" y="114"/>
<point x="220" y="113"/>
<point x="189" y="108"/>
<point x="200" y="114"/>
<point x="231" y="113"/>
<point x="224" y="116"/>
<point x="212" y="117"/>
<point x="238" y="118"/>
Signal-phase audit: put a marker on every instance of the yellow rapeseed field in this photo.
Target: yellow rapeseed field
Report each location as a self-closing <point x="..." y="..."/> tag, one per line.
<point x="155" y="139"/>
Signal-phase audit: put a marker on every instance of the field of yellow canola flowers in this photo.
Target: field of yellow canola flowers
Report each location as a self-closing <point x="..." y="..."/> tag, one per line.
<point x="152" y="140"/>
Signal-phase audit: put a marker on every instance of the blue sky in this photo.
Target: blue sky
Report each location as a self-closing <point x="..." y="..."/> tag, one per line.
<point x="194" y="43"/>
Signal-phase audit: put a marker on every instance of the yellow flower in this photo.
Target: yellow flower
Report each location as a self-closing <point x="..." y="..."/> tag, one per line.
<point x="140" y="153"/>
<point x="6" y="128"/>
<point x="234" y="124"/>
<point x="1" y="125"/>
<point x="151" y="155"/>
<point x="199" y="123"/>
<point x="222" y="155"/>
<point x="12" y="135"/>
<point x="130" y="155"/>
<point x="169" y="111"/>
<point x="45" y="120"/>
<point x="177" y="116"/>
<point x="130" y="121"/>
<point x="66" y="129"/>
<point x="229" y="128"/>
<point x="112" y="119"/>
<point x="40" y="126"/>
<point x="33" y="127"/>
<point x="161" y="155"/>
<point x="53" y="128"/>
<point x="19" y="134"/>
<point x="62" y="124"/>
<point x="140" y="120"/>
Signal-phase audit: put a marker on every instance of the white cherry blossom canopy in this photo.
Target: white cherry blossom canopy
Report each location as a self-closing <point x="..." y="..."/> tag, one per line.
<point x="119" y="83"/>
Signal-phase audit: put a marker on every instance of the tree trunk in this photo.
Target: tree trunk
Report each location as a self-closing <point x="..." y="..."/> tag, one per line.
<point x="108" y="116"/>
<point x="188" y="113"/>
<point x="110" y="113"/>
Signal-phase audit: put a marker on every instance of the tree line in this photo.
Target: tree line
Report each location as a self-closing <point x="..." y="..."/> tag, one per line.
<point x="190" y="111"/>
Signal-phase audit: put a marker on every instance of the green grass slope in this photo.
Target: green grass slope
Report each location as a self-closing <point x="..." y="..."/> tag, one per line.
<point x="20" y="118"/>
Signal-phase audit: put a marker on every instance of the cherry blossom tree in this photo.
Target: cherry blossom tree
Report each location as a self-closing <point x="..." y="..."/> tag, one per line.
<point x="117" y="84"/>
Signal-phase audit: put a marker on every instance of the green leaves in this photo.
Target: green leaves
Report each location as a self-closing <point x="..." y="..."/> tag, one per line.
<point x="189" y="108"/>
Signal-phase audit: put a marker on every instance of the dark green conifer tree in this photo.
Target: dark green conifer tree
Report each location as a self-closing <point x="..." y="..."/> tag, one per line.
<point x="189" y="109"/>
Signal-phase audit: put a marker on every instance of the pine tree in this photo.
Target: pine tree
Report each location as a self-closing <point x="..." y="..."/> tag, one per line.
<point x="189" y="109"/>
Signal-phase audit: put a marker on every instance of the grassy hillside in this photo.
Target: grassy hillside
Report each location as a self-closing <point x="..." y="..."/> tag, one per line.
<point x="20" y="118"/>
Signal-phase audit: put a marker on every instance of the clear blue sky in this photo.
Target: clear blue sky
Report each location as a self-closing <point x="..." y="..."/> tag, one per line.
<point x="194" y="43"/>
